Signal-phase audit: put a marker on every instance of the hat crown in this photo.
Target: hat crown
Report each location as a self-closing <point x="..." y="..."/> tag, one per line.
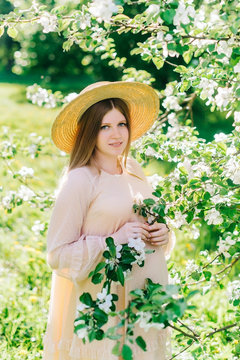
<point x="95" y="85"/>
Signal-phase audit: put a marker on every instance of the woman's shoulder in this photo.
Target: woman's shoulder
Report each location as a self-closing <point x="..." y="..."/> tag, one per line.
<point x="134" y="167"/>
<point x="77" y="179"/>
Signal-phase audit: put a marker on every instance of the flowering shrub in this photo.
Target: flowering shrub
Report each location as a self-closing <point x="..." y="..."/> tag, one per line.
<point x="203" y="185"/>
<point x="154" y="306"/>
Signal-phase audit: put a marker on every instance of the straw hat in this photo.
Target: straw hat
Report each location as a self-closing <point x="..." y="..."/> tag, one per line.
<point x="141" y="99"/>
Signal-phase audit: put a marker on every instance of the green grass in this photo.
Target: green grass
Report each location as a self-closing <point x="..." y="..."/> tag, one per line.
<point x="24" y="274"/>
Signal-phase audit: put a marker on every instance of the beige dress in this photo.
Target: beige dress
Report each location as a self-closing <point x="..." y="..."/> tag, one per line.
<point x="89" y="208"/>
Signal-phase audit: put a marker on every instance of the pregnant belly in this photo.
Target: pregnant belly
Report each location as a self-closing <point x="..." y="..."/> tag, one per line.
<point x="155" y="268"/>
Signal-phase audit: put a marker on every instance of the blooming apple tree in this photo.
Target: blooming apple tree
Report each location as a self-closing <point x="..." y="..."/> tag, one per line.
<point x="200" y="40"/>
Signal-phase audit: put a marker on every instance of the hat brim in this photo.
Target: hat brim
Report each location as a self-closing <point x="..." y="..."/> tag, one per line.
<point x="142" y="100"/>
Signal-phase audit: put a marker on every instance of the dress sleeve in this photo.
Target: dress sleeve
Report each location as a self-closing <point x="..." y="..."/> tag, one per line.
<point x="69" y="252"/>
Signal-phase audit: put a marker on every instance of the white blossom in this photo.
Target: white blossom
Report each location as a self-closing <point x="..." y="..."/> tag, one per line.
<point x="118" y="251"/>
<point x="48" y="22"/>
<point x="138" y="244"/>
<point x="83" y="332"/>
<point x="232" y="170"/>
<point x="144" y="321"/>
<point x="154" y="180"/>
<point x="210" y="188"/>
<point x="41" y="96"/>
<point x="153" y="9"/>
<point x="225" y="244"/>
<point x="82" y="307"/>
<point x="233" y="290"/>
<point x="223" y="47"/>
<point x="26" y="172"/>
<point x="25" y="193"/>
<point x="105" y="300"/>
<point x="213" y="217"/>
<point x="169" y="90"/>
<point x="6" y="200"/>
<point x="37" y="227"/>
<point x="70" y="97"/>
<point x="223" y="97"/>
<point x="237" y="68"/>
<point x="179" y="220"/>
<point x="236" y="123"/>
<point x="191" y="266"/>
<point x="32" y="150"/>
<point x="208" y="87"/>
<point x="103" y="9"/>
<point x="83" y="20"/>
<point x="182" y="14"/>
<point x="220" y="137"/>
<point x="171" y="103"/>
<point x="195" y="231"/>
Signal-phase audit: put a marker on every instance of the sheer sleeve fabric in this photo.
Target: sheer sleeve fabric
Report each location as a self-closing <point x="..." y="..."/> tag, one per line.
<point x="69" y="252"/>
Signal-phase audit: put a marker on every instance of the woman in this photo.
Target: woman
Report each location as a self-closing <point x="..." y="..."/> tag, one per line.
<point x="95" y="201"/>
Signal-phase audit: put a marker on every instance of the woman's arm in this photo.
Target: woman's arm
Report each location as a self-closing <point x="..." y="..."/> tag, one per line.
<point x="69" y="252"/>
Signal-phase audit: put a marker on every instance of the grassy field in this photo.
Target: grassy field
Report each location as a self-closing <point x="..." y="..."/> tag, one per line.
<point x="24" y="275"/>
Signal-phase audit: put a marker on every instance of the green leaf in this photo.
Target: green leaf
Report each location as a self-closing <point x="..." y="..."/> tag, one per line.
<point x="99" y="266"/>
<point x="12" y="32"/>
<point x="111" y="246"/>
<point x="238" y="92"/>
<point x="106" y="254"/>
<point x="149" y="202"/>
<point x="158" y="62"/>
<point x="187" y="56"/>
<point x="207" y="275"/>
<point x="97" y="278"/>
<point x="127" y="352"/>
<point x="141" y="343"/>
<point x="181" y="69"/>
<point x="86" y="299"/>
<point x="120" y="17"/>
<point x="190" y="216"/>
<point x="91" y="335"/>
<point x="100" y="316"/>
<point x="116" y="349"/>
<point x="168" y="15"/>
<point x="120" y="275"/>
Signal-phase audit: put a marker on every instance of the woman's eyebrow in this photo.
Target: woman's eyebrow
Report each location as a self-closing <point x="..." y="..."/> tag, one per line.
<point x="111" y="123"/>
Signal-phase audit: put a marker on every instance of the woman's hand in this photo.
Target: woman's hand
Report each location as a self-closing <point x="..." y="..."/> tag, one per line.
<point x="132" y="230"/>
<point x="158" y="234"/>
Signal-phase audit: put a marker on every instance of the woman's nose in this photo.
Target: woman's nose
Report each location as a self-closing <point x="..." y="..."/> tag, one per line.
<point x="116" y="132"/>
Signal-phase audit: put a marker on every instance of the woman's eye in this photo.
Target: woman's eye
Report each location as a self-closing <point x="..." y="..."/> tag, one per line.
<point x="123" y="124"/>
<point x="104" y="127"/>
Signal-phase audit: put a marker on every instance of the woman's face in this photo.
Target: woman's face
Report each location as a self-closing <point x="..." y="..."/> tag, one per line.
<point x="113" y="135"/>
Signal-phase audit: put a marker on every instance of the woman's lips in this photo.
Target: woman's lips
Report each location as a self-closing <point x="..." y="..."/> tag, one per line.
<point x="117" y="144"/>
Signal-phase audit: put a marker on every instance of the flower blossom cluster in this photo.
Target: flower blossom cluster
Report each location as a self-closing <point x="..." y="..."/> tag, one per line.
<point x="41" y="97"/>
<point x="183" y="13"/>
<point x="104" y="300"/>
<point x="103" y="9"/>
<point x="14" y="197"/>
<point x="233" y="290"/>
<point x="82" y="333"/>
<point x="145" y="323"/>
<point x="48" y="22"/>
<point x="213" y="217"/>
<point x="225" y="244"/>
<point x="138" y="245"/>
<point x="26" y="172"/>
